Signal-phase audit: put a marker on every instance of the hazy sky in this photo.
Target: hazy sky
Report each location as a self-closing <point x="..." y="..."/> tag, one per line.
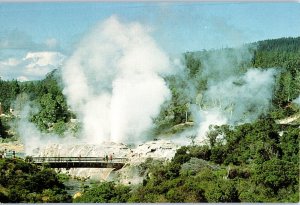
<point x="36" y="37"/>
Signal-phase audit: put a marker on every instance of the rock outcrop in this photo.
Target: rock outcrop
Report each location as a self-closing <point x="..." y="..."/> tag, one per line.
<point x="129" y="174"/>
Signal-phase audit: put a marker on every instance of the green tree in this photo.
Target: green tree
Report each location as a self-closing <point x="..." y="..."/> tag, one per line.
<point x="105" y="192"/>
<point x="24" y="182"/>
<point x="277" y="174"/>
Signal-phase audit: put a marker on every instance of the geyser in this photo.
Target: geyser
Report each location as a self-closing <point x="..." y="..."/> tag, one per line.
<point x="114" y="82"/>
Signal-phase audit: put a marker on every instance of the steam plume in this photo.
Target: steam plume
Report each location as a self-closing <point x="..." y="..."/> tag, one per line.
<point x="113" y="81"/>
<point x="32" y="137"/>
<point x="232" y="96"/>
<point x="297" y="100"/>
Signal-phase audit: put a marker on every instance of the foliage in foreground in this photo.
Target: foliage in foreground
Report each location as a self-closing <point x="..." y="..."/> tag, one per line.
<point x="22" y="182"/>
<point x="105" y="192"/>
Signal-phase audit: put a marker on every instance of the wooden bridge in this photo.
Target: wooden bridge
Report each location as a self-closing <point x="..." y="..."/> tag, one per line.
<point x="80" y="162"/>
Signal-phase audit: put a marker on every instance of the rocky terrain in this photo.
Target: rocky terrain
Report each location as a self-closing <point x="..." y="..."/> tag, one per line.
<point x="129" y="174"/>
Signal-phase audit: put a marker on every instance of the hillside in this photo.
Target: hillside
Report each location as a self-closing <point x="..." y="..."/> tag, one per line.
<point x="189" y="89"/>
<point x="235" y="107"/>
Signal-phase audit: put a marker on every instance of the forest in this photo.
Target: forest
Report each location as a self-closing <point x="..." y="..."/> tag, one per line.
<point x="255" y="161"/>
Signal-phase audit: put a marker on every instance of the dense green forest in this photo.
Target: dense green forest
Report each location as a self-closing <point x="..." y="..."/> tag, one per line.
<point x="25" y="182"/>
<point x="253" y="162"/>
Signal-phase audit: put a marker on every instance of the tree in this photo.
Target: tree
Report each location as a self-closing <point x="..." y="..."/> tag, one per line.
<point x="25" y="182"/>
<point x="105" y="192"/>
<point x="277" y="174"/>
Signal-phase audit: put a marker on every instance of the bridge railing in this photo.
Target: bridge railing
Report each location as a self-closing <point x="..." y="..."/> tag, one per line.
<point x="77" y="159"/>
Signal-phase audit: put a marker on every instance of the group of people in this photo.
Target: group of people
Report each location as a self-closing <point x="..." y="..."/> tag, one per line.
<point x="106" y="157"/>
<point x="110" y="158"/>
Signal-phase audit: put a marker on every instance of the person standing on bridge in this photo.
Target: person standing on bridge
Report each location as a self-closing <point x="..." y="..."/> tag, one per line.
<point x="4" y="155"/>
<point x="110" y="157"/>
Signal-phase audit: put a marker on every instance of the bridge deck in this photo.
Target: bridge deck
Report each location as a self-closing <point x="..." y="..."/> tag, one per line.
<point x="80" y="162"/>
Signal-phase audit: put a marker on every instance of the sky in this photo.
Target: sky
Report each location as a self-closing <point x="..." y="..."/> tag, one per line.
<point x="38" y="37"/>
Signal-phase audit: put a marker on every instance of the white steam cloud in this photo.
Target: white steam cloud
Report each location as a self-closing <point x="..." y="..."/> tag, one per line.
<point x="232" y="97"/>
<point x="247" y="96"/>
<point x="113" y="81"/>
<point x="32" y="137"/>
<point x="297" y="100"/>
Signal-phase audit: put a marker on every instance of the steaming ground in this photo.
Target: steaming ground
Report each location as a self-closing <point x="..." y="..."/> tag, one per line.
<point x="234" y="103"/>
<point x="114" y="82"/>
<point x="233" y="96"/>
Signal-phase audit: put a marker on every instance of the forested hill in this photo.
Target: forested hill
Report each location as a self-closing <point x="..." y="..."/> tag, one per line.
<point x="281" y="44"/>
<point x="282" y="54"/>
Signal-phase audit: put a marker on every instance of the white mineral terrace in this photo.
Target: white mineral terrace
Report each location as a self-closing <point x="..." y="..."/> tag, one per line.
<point x="159" y="149"/>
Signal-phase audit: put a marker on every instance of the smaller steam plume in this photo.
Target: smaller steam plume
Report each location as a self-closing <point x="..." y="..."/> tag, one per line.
<point x="297" y="100"/>
<point x="32" y="137"/>
<point x="232" y="97"/>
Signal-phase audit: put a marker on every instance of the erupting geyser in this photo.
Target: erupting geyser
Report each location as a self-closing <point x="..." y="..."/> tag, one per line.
<point x="113" y="81"/>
